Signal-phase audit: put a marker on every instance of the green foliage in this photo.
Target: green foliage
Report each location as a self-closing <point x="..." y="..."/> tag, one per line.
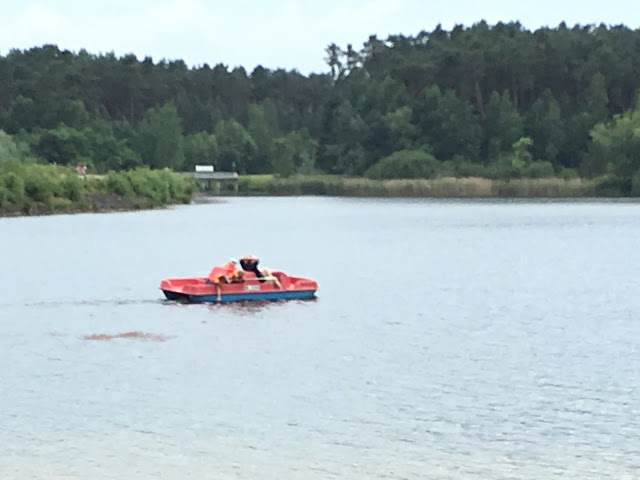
<point x="404" y="164"/>
<point x="263" y="129"/>
<point x="519" y="163"/>
<point x="520" y="152"/>
<point x="22" y="114"/>
<point x="72" y="113"/>
<point x="283" y="165"/>
<point x="4" y="196"/>
<point x="592" y="108"/>
<point x="352" y="160"/>
<point x="8" y="149"/>
<point x="253" y="183"/>
<point x="13" y="183"/>
<point x="465" y="96"/>
<point x="544" y="124"/>
<point x="539" y="169"/>
<point x="63" y="145"/>
<point x="110" y="149"/>
<point x="504" y="169"/>
<point x="448" y="124"/>
<point x="119" y="184"/>
<point x="315" y="187"/>
<point x="236" y="146"/>
<point x="58" y="188"/>
<point x="160" y="140"/>
<point x="502" y="125"/>
<point x="344" y="130"/>
<point x="437" y="187"/>
<point x="158" y="186"/>
<point x="461" y="167"/>
<point x="568" y="173"/>
<point x="72" y="187"/>
<point x="200" y="149"/>
<point x="635" y="184"/>
<point x="611" y="185"/>
<point x="304" y="149"/>
<point x="403" y="130"/>
<point x="60" y="204"/>
<point x="40" y="184"/>
<point x="149" y="184"/>
<point x="616" y="146"/>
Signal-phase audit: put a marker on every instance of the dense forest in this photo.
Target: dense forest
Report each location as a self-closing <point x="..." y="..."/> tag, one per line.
<point x="495" y="101"/>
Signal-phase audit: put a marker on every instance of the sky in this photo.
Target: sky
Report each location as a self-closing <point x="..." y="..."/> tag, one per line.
<point x="286" y="34"/>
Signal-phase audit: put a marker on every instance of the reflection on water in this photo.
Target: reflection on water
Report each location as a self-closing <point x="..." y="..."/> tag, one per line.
<point x="451" y="340"/>
<point x="255" y="306"/>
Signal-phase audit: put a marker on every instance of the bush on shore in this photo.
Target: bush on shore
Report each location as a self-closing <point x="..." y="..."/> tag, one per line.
<point x="56" y="188"/>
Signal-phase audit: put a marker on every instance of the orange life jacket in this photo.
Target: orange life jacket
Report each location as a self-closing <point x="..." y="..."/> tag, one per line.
<point x="228" y="270"/>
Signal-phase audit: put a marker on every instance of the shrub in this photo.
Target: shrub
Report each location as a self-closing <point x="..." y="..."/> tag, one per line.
<point x="14" y="185"/>
<point x="119" y="184"/>
<point x="4" y="195"/>
<point x="568" y="173"/>
<point x="60" y="204"/>
<point x="610" y="185"/>
<point x="504" y="170"/>
<point x="404" y="164"/>
<point x="181" y="187"/>
<point x="469" y="169"/>
<point x="38" y="186"/>
<point x="151" y="184"/>
<point x="253" y="183"/>
<point x="72" y="188"/>
<point x="282" y="186"/>
<point x="538" y="169"/>
<point x="313" y="187"/>
<point x="158" y="186"/>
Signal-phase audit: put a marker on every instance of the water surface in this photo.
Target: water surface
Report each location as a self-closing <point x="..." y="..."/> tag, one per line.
<point x="450" y="340"/>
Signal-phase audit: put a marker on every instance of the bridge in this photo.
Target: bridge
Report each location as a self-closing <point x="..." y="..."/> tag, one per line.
<point x="205" y="174"/>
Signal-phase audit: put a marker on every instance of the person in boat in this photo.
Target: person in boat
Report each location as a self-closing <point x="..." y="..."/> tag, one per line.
<point x="228" y="273"/>
<point x="249" y="263"/>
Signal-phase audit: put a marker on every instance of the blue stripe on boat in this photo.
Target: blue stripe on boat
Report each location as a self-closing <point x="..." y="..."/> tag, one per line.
<point x="240" y="297"/>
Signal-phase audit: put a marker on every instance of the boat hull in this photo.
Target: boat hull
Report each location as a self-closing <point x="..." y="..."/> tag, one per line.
<point x="277" y="286"/>
<point x="241" y="297"/>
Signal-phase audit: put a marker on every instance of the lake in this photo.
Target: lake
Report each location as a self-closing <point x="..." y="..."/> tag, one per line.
<point x="451" y="339"/>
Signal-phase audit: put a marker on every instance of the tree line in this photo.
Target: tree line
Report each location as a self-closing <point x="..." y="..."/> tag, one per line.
<point x="497" y="101"/>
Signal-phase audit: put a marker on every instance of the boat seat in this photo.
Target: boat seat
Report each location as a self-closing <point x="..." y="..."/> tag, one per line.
<point x="283" y="279"/>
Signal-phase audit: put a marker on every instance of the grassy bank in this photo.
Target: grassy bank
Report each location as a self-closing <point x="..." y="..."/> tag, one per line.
<point x="552" y="187"/>
<point x="34" y="189"/>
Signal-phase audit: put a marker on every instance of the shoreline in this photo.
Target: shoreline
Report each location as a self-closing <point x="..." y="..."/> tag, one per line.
<point x="101" y="203"/>
<point x="441" y="187"/>
<point x="42" y="211"/>
<point x="468" y="188"/>
<point x="94" y="203"/>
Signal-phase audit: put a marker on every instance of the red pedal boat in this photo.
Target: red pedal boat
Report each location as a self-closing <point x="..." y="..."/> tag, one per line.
<point x="227" y="283"/>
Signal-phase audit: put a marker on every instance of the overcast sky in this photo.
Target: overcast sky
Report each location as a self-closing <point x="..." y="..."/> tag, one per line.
<point x="275" y="34"/>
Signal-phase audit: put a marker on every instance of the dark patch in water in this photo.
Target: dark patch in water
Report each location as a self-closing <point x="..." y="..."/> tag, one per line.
<point x="156" y="337"/>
